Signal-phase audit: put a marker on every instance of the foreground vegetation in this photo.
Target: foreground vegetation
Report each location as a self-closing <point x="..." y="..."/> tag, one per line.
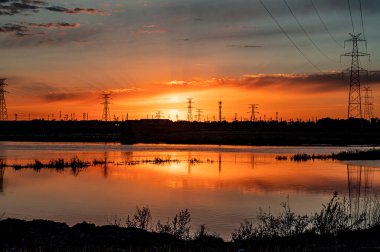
<point x="333" y="228"/>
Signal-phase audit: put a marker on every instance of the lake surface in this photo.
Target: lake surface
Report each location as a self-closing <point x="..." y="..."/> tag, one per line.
<point x="220" y="185"/>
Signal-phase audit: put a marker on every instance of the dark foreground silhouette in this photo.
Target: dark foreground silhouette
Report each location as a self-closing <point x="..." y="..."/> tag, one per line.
<point x="42" y="235"/>
<point x="333" y="228"/>
<point x="324" y="131"/>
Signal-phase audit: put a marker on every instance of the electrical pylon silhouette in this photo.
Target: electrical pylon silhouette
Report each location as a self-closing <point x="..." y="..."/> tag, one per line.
<point x="3" y="105"/>
<point x="106" y="109"/>
<point x="354" y="98"/>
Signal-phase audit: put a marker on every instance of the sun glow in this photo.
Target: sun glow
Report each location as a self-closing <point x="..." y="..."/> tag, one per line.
<point x="174" y="99"/>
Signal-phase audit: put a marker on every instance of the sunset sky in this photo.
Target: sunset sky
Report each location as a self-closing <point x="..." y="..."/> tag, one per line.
<point x="154" y="54"/>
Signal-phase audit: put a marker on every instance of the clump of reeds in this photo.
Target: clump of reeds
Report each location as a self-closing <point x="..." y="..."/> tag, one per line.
<point x="99" y="162"/>
<point x="59" y="164"/>
<point x="334" y="217"/>
<point x="195" y="161"/>
<point x="179" y="226"/>
<point x="301" y="157"/>
<point x="159" y="160"/>
<point x="372" y="154"/>
<point x="281" y="157"/>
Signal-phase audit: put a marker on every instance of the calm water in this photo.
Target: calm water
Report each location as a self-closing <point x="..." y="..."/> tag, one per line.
<point x="220" y="185"/>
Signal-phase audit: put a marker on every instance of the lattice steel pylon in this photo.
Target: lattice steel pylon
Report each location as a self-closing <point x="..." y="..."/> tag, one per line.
<point x="3" y="105"/>
<point x="190" y="109"/>
<point x="354" y="98"/>
<point x="106" y="109"/>
<point x="368" y="103"/>
<point x="253" y="111"/>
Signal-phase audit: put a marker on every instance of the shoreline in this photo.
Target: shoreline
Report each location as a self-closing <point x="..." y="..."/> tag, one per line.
<point x="326" y="131"/>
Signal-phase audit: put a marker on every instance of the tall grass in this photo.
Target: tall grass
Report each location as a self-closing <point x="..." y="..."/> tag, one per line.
<point x="334" y="217"/>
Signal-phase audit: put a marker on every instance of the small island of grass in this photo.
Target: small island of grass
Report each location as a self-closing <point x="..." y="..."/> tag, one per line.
<point x="371" y="154"/>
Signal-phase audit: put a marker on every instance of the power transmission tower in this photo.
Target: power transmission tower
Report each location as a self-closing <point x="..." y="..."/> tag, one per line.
<point x="3" y="105"/>
<point x="354" y="98"/>
<point x="106" y="109"/>
<point x="158" y="114"/>
<point x="190" y="110"/>
<point x="253" y="111"/>
<point x="220" y="110"/>
<point x="199" y="115"/>
<point x="368" y="103"/>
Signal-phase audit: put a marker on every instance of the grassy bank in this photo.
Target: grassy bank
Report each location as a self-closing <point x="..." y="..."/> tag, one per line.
<point x="330" y="229"/>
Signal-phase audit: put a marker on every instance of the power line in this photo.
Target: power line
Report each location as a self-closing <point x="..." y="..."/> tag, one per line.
<point x="289" y="38"/>
<point x="352" y="21"/>
<point x="361" y="17"/>
<point x="306" y="33"/>
<point x="324" y="24"/>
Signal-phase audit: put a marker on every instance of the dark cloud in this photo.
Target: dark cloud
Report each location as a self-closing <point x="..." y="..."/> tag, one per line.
<point x="57" y="35"/>
<point x="304" y="83"/>
<point x="31" y="7"/>
<point x="18" y="30"/>
<point x="61" y="25"/>
<point x="326" y="82"/>
<point x="75" y="10"/>
<point x="64" y="96"/>
<point x="245" y="46"/>
<point x="13" y="7"/>
<point x="25" y="29"/>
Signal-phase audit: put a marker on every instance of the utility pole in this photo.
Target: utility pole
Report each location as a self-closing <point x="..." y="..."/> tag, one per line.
<point x="354" y="98"/>
<point x="106" y="109"/>
<point x="253" y="111"/>
<point x="189" y="109"/>
<point x="3" y="105"/>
